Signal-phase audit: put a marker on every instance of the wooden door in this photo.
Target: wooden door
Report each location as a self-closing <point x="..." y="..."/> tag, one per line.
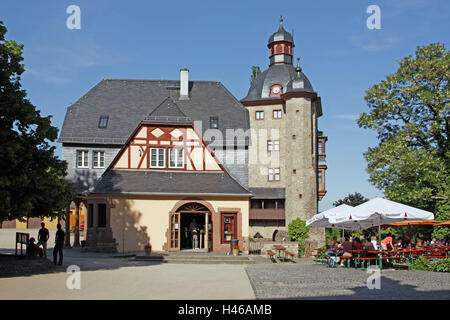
<point x="174" y="231"/>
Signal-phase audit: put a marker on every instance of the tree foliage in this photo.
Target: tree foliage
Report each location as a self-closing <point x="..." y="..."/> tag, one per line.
<point x="298" y="231"/>
<point x="255" y="72"/>
<point x="409" y="110"/>
<point x="31" y="183"/>
<point x="353" y="200"/>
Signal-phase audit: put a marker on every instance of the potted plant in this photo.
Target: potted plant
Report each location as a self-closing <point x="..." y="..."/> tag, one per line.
<point x="148" y="248"/>
<point x="235" y="250"/>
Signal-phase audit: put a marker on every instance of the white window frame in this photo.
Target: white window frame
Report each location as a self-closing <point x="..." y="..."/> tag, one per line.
<point x="259" y="115"/>
<point x="277" y="114"/>
<point x="273" y="145"/>
<point x="159" y="151"/>
<point x="98" y="155"/>
<point x="176" y="160"/>
<point x="274" y="174"/>
<point x="84" y="159"/>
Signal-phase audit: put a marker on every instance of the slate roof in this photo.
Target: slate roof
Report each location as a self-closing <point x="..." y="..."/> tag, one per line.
<point x="281" y="74"/>
<point x="268" y="193"/>
<point x="168" y="182"/>
<point x="281" y="35"/>
<point x="128" y="102"/>
<point x="167" y="111"/>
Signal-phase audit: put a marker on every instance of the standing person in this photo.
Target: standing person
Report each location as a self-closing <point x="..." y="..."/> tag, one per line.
<point x="59" y="243"/>
<point x="43" y="236"/>
<point x="194" y="233"/>
<point x="388" y="243"/>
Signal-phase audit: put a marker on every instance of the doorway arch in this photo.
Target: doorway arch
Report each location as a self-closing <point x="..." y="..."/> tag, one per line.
<point x="190" y="226"/>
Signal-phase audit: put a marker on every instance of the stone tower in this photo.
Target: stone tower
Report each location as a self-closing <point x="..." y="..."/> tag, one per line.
<point x="289" y="180"/>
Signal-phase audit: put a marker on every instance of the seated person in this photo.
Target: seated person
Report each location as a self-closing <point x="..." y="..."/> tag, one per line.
<point x="405" y="242"/>
<point x="374" y="242"/>
<point x="346" y="247"/>
<point x="33" y="250"/>
<point x="419" y="243"/>
<point x="357" y="245"/>
<point x="368" y="246"/>
<point x="332" y="245"/>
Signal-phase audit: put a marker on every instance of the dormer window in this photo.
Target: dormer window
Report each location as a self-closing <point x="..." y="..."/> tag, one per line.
<point x="103" y="121"/>
<point x="214" y="122"/>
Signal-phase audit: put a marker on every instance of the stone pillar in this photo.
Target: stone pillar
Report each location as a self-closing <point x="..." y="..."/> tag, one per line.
<point x="76" y="241"/>
<point x="67" y="227"/>
<point x="206" y="239"/>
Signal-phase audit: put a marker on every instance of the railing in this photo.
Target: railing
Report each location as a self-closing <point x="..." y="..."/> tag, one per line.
<point x="254" y="247"/>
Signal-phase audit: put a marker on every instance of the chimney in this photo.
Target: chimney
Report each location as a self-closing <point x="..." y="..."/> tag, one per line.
<point x="184" y="84"/>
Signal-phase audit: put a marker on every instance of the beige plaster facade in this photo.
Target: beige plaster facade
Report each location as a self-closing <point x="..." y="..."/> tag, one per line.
<point x="136" y="220"/>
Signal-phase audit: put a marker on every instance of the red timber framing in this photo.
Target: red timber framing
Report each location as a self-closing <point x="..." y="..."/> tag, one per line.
<point x="166" y="136"/>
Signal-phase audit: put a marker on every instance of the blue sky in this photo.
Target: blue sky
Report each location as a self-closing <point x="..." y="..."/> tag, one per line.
<point x="220" y="41"/>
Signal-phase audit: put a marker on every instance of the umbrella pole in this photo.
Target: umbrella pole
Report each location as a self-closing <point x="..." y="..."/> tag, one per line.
<point x="410" y="239"/>
<point x="379" y="240"/>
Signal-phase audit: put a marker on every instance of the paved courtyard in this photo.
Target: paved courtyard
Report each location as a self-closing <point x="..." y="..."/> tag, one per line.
<point x="306" y="280"/>
<point x="105" y="277"/>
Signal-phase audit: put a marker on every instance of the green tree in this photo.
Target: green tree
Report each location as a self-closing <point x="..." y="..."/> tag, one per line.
<point x="351" y="200"/>
<point x="31" y="183"/>
<point x="255" y="72"/>
<point x="409" y="110"/>
<point x="298" y="231"/>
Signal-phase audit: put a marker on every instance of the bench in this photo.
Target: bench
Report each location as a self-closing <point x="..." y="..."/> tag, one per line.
<point x="365" y="261"/>
<point x="320" y="258"/>
<point x="290" y="254"/>
<point x="349" y="259"/>
<point x="272" y="256"/>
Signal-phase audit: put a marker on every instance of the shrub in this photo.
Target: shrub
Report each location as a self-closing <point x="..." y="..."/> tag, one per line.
<point x="422" y="263"/>
<point x="443" y="265"/>
<point x="298" y="231"/>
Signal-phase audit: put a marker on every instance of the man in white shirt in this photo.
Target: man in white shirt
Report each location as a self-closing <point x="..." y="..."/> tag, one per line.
<point x="374" y="242"/>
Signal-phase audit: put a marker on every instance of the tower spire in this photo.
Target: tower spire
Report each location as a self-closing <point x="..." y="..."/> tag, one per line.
<point x="298" y="69"/>
<point x="280" y="45"/>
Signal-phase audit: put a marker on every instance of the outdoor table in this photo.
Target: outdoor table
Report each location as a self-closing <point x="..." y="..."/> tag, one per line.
<point x="380" y="254"/>
<point x="279" y="250"/>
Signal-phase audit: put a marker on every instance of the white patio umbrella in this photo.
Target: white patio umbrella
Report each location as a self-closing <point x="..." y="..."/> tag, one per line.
<point x="321" y="220"/>
<point x="377" y="212"/>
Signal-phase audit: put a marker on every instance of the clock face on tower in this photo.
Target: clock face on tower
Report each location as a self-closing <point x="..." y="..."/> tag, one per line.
<point x="275" y="90"/>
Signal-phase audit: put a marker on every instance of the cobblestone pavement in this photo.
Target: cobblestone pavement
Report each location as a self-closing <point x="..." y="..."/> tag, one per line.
<point x="306" y="280"/>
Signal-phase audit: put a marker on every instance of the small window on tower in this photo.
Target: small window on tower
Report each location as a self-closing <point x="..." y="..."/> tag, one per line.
<point x="103" y="122"/>
<point x="214" y="122"/>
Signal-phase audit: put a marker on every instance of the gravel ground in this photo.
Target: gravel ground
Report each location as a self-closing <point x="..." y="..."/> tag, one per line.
<point x="306" y="280"/>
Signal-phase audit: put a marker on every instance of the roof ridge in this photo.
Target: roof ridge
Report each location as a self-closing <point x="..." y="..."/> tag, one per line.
<point x="157" y="80"/>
